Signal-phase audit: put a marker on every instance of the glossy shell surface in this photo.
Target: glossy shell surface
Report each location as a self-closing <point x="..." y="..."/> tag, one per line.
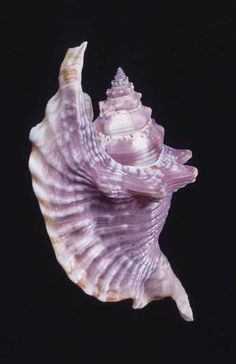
<point x="105" y="187"/>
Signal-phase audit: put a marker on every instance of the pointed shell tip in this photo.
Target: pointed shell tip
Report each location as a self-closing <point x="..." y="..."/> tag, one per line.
<point x="83" y="45"/>
<point x="120" y="72"/>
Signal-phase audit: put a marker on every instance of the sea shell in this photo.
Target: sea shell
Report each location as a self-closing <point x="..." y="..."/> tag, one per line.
<point x="104" y="189"/>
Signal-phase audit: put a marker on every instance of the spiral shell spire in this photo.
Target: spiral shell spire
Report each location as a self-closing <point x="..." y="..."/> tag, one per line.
<point x="120" y="78"/>
<point x="130" y="135"/>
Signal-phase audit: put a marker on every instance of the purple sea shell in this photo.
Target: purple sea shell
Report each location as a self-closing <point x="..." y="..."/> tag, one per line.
<point x="105" y="187"/>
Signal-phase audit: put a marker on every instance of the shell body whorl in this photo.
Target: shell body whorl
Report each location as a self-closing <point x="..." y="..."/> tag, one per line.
<point x="105" y="187"/>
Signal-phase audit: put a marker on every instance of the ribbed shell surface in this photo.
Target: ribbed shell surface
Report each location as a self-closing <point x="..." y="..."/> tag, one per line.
<point x="104" y="217"/>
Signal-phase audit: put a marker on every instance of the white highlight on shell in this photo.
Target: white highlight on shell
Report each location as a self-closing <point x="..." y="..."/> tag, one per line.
<point x="139" y="142"/>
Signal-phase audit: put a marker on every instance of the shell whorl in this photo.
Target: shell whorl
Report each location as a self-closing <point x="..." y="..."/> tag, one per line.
<point x="128" y="132"/>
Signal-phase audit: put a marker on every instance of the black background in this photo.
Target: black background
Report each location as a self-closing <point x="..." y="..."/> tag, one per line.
<point x="182" y="59"/>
